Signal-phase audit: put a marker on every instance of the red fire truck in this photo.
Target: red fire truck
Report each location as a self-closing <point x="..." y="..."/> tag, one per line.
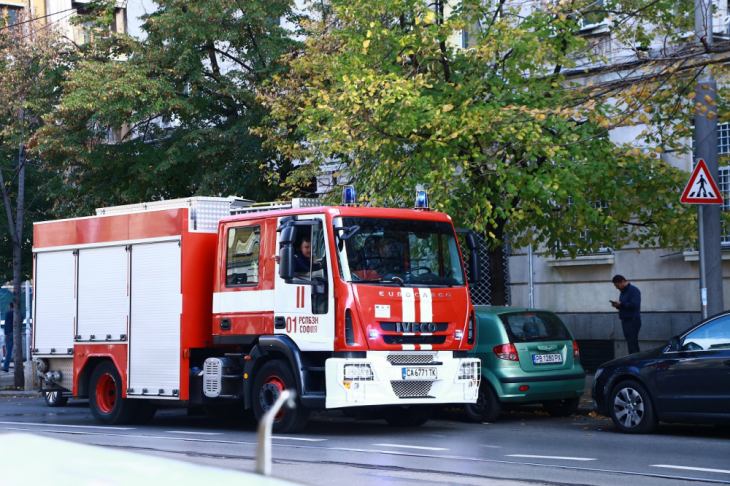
<point x="221" y="301"/>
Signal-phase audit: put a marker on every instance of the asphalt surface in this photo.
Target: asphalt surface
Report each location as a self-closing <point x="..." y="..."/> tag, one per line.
<point x="525" y="446"/>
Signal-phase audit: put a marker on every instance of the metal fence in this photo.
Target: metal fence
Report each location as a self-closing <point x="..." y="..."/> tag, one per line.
<point x="481" y="292"/>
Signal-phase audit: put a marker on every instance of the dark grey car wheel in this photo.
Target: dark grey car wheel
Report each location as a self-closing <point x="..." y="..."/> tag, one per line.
<point x="631" y="409"/>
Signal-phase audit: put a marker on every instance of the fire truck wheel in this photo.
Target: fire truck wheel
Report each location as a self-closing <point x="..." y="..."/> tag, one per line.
<point x="274" y="377"/>
<point x="105" y="397"/>
<point x="487" y="406"/>
<point x="55" y="399"/>
<point x="145" y="412"/>
<point x="407" y="415"/>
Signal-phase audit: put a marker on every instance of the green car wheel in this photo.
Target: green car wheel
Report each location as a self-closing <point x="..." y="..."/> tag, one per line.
<point x="487" y="406"/>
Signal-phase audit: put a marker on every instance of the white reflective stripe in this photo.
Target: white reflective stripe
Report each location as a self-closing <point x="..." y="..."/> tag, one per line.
<point x="426" y="305"/>
<point x="409" y="347"/>
<point x="408" y="334"/>
<point x="426" y="347"/>
<point x="409" y="305"/>
<point x="243" y="301"/>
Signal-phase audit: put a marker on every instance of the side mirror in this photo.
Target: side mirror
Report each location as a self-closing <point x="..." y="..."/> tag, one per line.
<point x="288" y="235"/>
<point x="674" y="344"/>
<point x="471" y="241"/>
<point x="475" y="267"/>
<point x="286" y="262"/>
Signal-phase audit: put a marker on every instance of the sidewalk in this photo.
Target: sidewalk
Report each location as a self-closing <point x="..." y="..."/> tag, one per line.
<point x="7" y="380"/>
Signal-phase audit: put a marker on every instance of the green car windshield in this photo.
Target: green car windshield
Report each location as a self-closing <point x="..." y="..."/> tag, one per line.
<point x="399" y="252"/>
<point x="524" y="327"/>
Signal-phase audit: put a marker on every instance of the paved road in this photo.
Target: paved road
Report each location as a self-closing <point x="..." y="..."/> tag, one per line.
<point x="525" y="446"/>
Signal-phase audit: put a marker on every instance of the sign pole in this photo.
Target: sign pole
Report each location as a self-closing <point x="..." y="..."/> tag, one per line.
<point x="703" y="275"/>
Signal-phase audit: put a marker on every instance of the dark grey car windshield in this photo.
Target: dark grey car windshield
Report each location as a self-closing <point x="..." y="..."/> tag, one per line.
<point x="524" y="327"/>
<point x="400" y="252"/>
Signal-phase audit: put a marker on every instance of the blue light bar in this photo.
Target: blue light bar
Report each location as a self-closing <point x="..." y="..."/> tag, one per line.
<point x="348" y="196"/>
<point x="422" y="200"/>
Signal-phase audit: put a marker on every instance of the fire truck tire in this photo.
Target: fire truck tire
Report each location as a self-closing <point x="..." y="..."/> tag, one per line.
<point x="407" y="415"/>
<point x="487" y="406"/>
<point x="274" y="377"/>
<point x="55" y="399"/>
<point x="145" y="412"/>
<point x="105" y="397"/>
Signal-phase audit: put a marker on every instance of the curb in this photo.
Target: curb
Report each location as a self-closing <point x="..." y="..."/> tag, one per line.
<point x="19" y="393"/>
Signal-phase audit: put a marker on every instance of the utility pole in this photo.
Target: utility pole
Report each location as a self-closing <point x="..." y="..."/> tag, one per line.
<point x="706" y="148"/>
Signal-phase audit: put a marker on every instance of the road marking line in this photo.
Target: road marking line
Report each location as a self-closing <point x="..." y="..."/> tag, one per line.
<point x="703" y="469"/>
<point x="297" y="438"/>
<point x="196" y="433"/>
<point x="75" y="426"/>
<point x="530" y="456"/>
<point x="490" y="446"/>
<point x="413" y="447"/>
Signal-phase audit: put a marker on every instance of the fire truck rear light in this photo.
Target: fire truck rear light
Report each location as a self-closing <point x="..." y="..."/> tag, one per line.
<point x="506" y="351"/>
<point x="576" y="351"/>
<point x="458" y="334"/>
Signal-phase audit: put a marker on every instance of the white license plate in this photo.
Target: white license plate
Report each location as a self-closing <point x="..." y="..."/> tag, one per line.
<point x="547" y="358"/>
<point x="420" y="373"/>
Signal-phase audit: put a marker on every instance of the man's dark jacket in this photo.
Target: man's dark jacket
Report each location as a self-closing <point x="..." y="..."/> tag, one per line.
<point x="630" y="299"/>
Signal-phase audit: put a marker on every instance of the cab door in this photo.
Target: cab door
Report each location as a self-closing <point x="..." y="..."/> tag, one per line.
<point x="307" y="318"/>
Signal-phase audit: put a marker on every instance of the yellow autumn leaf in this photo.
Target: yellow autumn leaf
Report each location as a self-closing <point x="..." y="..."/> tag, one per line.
<point x="430" y="17"/>
<point x="447" y="108"/>
<point x="366" y="44"/>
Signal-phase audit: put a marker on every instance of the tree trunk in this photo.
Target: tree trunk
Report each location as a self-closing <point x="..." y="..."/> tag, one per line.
<point x="19" y="378"/>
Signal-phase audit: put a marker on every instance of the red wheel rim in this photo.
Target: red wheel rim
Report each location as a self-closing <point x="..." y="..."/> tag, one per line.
<point x="106" y="393"/>
<point x="271" y="390"/>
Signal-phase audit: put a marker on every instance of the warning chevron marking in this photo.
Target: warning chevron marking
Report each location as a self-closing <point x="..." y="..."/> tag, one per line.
<point x="701" y="188"/>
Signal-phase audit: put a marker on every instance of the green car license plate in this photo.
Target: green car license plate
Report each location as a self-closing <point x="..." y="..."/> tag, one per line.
<point x="420" y="373"/>
<point x="547" y="358"/>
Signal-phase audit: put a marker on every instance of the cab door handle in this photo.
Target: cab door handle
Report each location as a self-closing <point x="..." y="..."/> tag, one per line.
<point x="279" y="322"/>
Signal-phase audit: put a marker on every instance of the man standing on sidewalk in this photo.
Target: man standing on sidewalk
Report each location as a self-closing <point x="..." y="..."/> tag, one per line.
<point x="629" y="311"/>
<point x="8" y="337"/>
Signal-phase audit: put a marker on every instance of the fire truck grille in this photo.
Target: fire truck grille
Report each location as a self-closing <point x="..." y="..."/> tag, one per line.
<point x="410" y="358"/>
<point x="411" y="389"/>
<point x="393" y="326"/>
<point x="398" y="339"/>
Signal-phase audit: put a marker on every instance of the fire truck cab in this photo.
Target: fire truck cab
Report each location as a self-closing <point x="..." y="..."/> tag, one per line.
<point x="218" y="301"/>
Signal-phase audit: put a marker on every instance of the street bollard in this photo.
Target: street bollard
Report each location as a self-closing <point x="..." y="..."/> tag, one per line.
<point x="263" y="435"/>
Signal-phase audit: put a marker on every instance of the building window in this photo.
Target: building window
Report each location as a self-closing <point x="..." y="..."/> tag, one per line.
<point x="723" y="151"/>
<point x="242" y="262"/>
<point x="11" y="16"/>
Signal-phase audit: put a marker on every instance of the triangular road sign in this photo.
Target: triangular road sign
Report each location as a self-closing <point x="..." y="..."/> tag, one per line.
<point x="701" y="188"/>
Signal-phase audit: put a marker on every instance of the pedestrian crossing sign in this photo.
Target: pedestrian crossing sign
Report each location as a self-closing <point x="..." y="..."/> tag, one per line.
<point x="701" y="188"/>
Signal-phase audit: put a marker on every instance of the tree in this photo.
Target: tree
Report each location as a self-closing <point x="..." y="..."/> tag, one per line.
<point x="169" y="115"/>
<point x="510" y="134"/>
<point x="32" y="60"/>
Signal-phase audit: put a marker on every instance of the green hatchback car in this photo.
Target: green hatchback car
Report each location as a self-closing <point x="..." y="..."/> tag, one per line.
<point x="528" y="356"/>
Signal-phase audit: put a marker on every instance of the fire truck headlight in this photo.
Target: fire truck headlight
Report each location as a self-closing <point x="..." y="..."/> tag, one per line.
<point x="458" y="334"/>
<point x="358" y="372"/>
<point x="373" y="334"/>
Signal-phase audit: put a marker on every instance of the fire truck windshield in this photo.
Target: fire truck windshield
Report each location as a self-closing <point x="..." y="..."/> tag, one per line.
<point x="399" y="252"/>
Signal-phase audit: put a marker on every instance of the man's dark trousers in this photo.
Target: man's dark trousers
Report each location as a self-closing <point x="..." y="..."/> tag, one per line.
<point x="631" y="333"/>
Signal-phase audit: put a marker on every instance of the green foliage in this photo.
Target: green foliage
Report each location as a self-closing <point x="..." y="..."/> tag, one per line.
<point x="169" y="115"/>
<point x="32" y="64"/>
<point x="508" y="135"/>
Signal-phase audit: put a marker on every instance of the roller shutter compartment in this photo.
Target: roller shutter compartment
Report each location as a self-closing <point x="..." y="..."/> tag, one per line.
<point x="55" y="302"/>
<point x="154" y="354"/>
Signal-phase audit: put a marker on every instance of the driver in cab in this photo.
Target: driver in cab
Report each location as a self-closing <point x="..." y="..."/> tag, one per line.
<point x="303" y="256"/>
<point x="388" y="259"/>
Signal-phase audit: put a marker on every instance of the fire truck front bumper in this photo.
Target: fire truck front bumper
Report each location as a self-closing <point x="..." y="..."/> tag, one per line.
<point x="407" y="378"/>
